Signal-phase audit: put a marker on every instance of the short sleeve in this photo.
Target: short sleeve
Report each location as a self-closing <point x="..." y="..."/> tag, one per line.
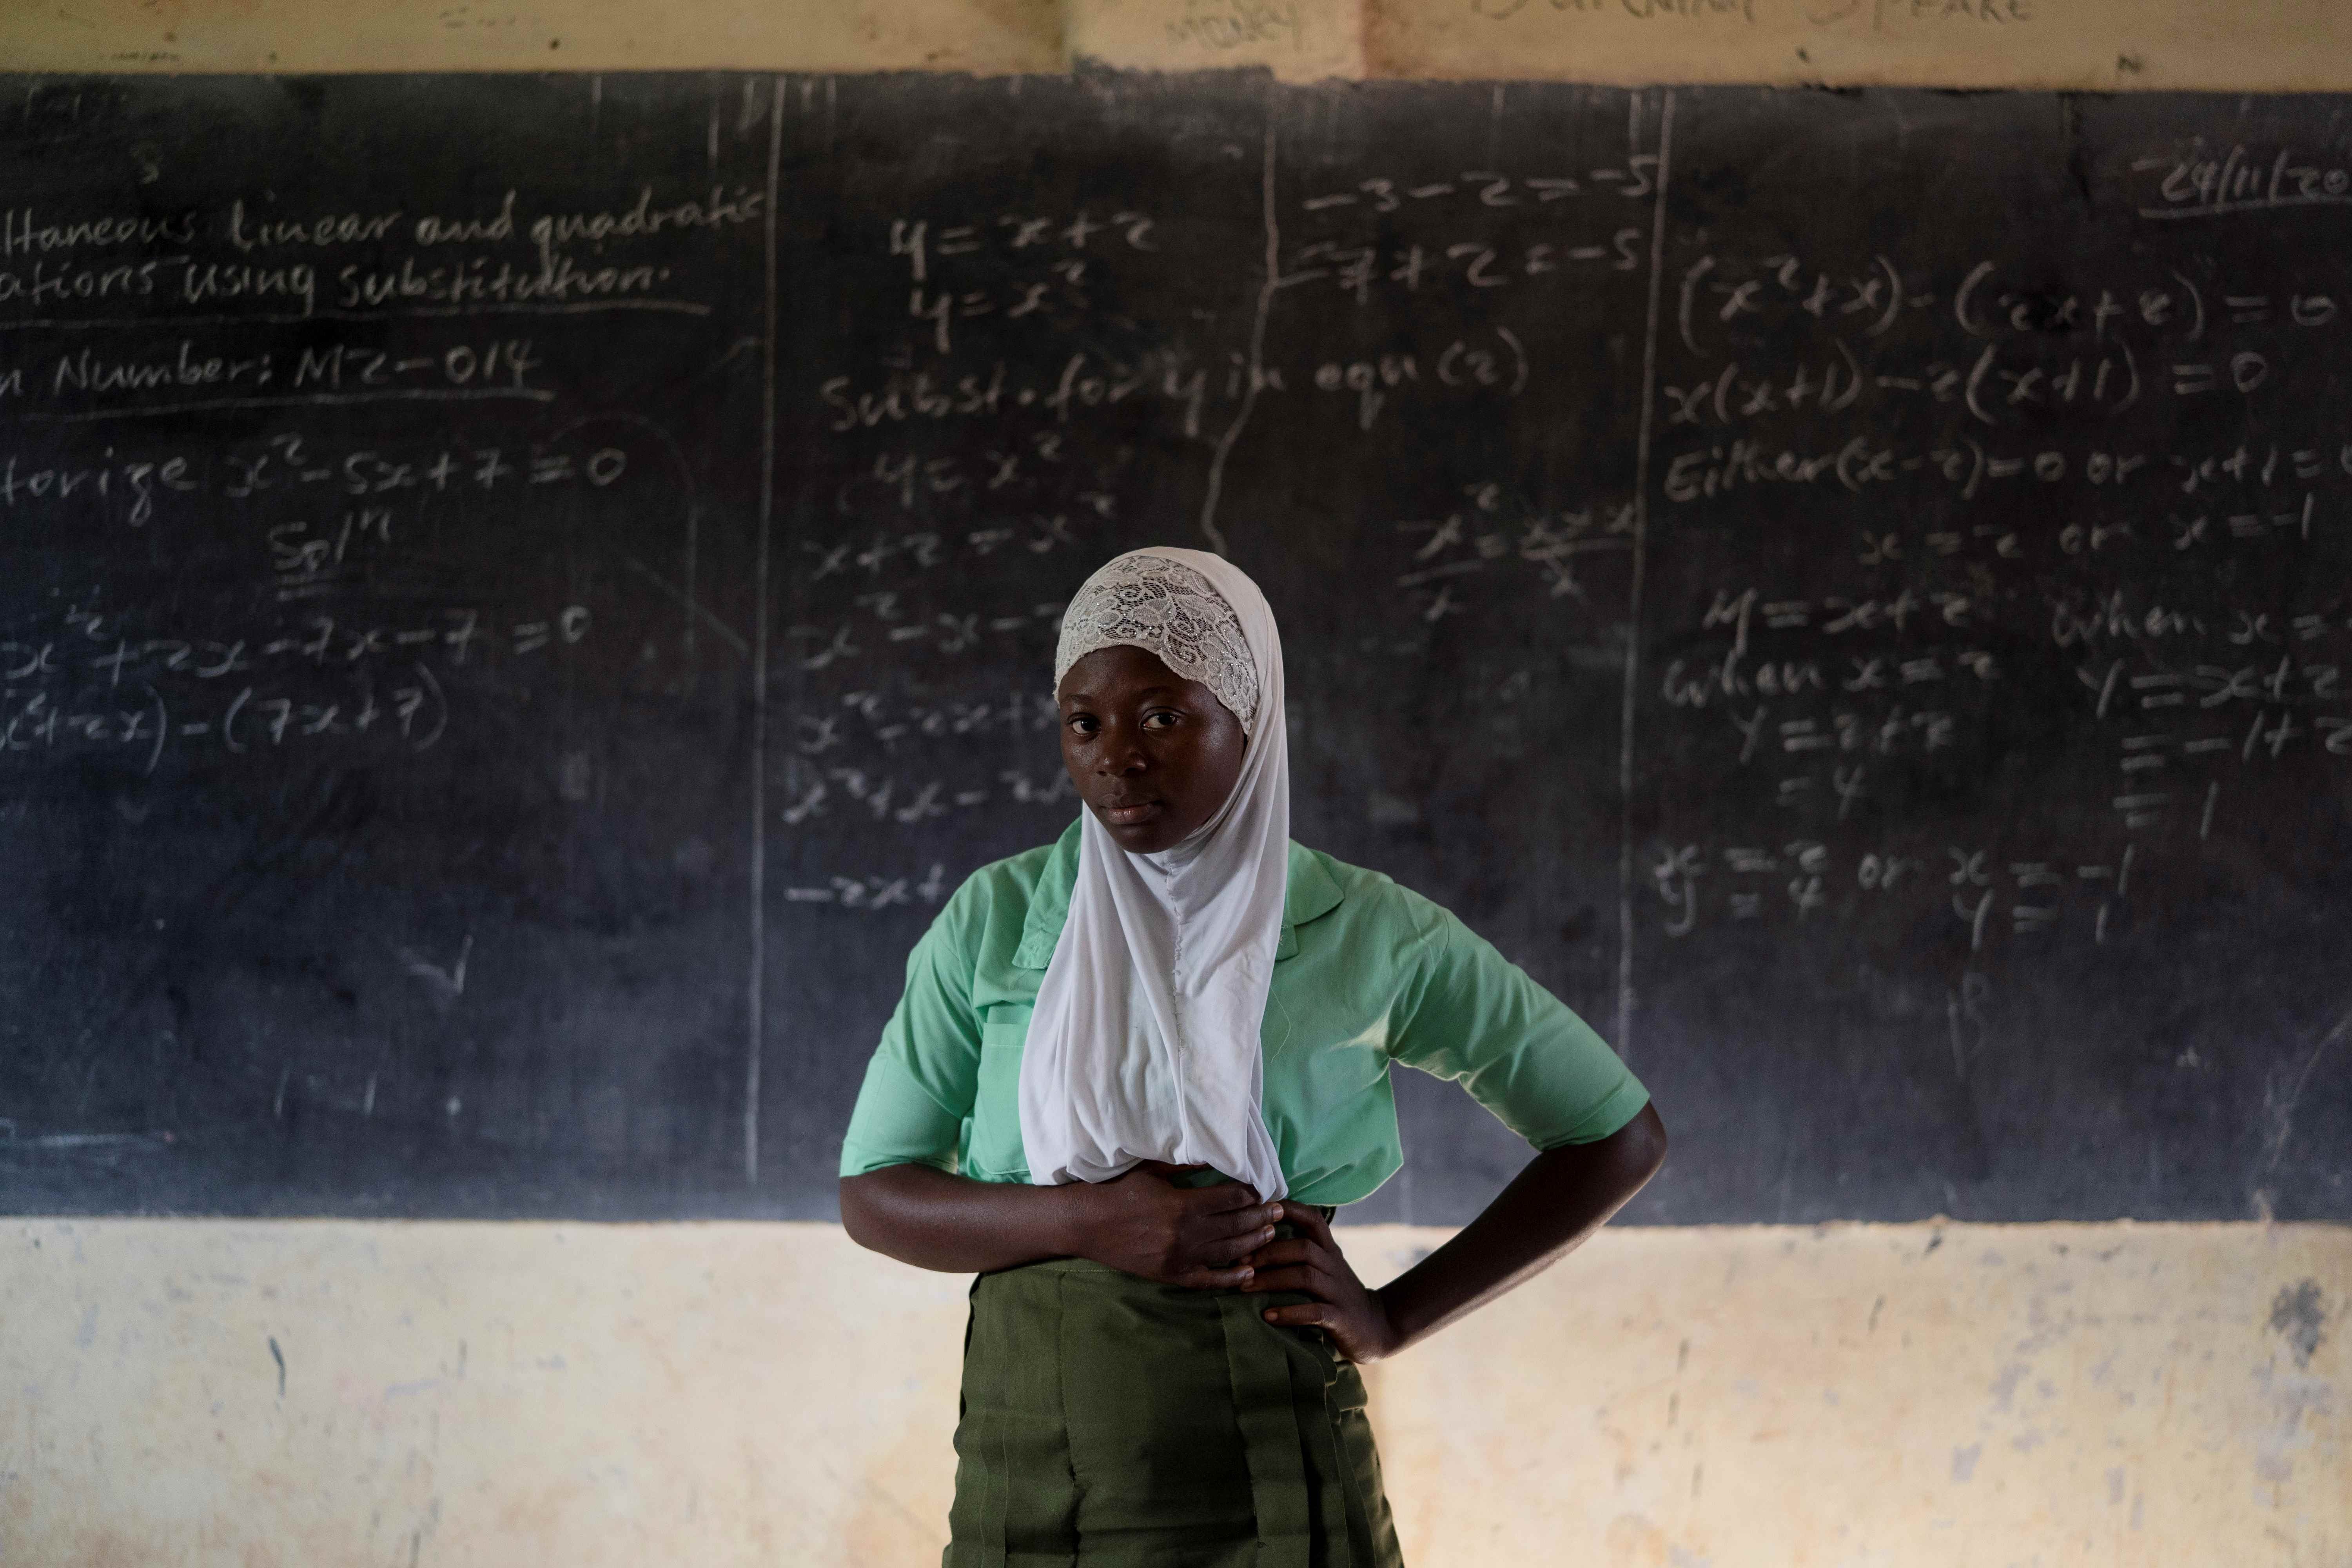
<point x="1472" y="1015"/>
<point x="921" y="1083"/>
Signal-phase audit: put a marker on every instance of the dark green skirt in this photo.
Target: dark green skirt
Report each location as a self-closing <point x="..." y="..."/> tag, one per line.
<point x="1107" y="1422"/>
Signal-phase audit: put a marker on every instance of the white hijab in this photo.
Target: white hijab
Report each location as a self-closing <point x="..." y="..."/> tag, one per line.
<point x="1144" y="1044"/>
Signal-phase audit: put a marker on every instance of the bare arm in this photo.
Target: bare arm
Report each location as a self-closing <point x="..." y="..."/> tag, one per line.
<point x="1142" y="1223"/>
<point x="1562" y="1197"/>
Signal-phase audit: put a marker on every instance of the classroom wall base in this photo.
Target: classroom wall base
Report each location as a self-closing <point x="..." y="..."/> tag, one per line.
<point x="324" y="1393"/>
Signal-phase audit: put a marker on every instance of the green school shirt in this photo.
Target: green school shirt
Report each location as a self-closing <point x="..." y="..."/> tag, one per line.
<point x="1368" y="973"/>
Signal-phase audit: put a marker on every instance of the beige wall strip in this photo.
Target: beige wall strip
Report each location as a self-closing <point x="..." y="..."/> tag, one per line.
<point x="2295" y="45"/>
<point x="2089" y="44"/>
<point x="983" y="36"/>
<point x="1935" y="1395"/>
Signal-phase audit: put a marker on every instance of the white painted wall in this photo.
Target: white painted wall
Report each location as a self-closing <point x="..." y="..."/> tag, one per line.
<point x="1756" y="1397"/>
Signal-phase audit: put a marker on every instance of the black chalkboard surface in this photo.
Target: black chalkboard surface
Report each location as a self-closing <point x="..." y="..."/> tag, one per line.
<point x="518" y="597"/>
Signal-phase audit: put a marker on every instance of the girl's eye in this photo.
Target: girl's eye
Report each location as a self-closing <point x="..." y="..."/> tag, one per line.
<point x="1159" y="721"/>
<point x="1083" y="725"/>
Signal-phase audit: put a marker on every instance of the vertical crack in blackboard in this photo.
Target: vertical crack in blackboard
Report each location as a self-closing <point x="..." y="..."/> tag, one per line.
<point x="1624" y="1030"/>
<point x="758" y="982"/>
<point x="1265" y="288"/>
<point x="2282" y="1110"/>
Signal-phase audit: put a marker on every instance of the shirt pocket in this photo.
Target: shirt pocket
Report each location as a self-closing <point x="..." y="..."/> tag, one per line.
<point x="997" y="1152"/>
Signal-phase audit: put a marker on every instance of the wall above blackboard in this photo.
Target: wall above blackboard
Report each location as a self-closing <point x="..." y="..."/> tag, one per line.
<point x="2079" y="45"/>
<point x="517" y="596"/>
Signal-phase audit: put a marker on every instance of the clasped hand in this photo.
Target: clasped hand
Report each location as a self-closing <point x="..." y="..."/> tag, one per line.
<point x="1222" y="1238"/>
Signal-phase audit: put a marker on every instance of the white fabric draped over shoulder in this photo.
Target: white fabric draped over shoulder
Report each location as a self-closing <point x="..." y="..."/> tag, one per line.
<point x="1145" y="1041"/>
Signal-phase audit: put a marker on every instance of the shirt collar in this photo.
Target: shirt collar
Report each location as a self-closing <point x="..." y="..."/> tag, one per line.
<point x="1309" y="893"/>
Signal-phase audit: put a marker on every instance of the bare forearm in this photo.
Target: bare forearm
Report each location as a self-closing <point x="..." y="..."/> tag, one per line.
<point x="1140" y="1222"/>
<point x="933" y="1220"/>
<point x="1560" y="1198"/>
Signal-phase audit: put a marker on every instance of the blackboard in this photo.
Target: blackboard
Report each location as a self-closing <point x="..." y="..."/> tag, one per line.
<point x="517" y="596"/>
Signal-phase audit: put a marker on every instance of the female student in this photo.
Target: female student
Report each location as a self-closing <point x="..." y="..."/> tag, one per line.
<point x="1133" y="1074"/>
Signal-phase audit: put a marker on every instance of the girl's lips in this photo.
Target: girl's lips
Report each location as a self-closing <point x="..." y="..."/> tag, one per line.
<point x="1128" y="816"/>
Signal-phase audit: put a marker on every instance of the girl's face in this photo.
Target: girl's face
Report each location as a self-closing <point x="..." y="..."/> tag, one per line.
<point x="1153" y="754"/>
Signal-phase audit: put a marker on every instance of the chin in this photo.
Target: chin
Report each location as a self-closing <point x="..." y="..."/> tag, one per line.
<point x="1143" y="837"/>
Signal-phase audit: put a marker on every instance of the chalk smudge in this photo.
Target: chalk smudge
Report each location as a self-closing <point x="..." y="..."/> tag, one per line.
<point x="2299" y="1317"/>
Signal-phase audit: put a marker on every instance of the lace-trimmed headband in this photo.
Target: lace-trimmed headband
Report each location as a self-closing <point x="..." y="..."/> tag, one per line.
<point x="1167" y="608"/>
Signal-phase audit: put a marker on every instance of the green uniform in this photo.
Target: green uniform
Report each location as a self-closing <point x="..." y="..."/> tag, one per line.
<point x="1367" y="974"/>
<point x="1106" y="1420"/>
